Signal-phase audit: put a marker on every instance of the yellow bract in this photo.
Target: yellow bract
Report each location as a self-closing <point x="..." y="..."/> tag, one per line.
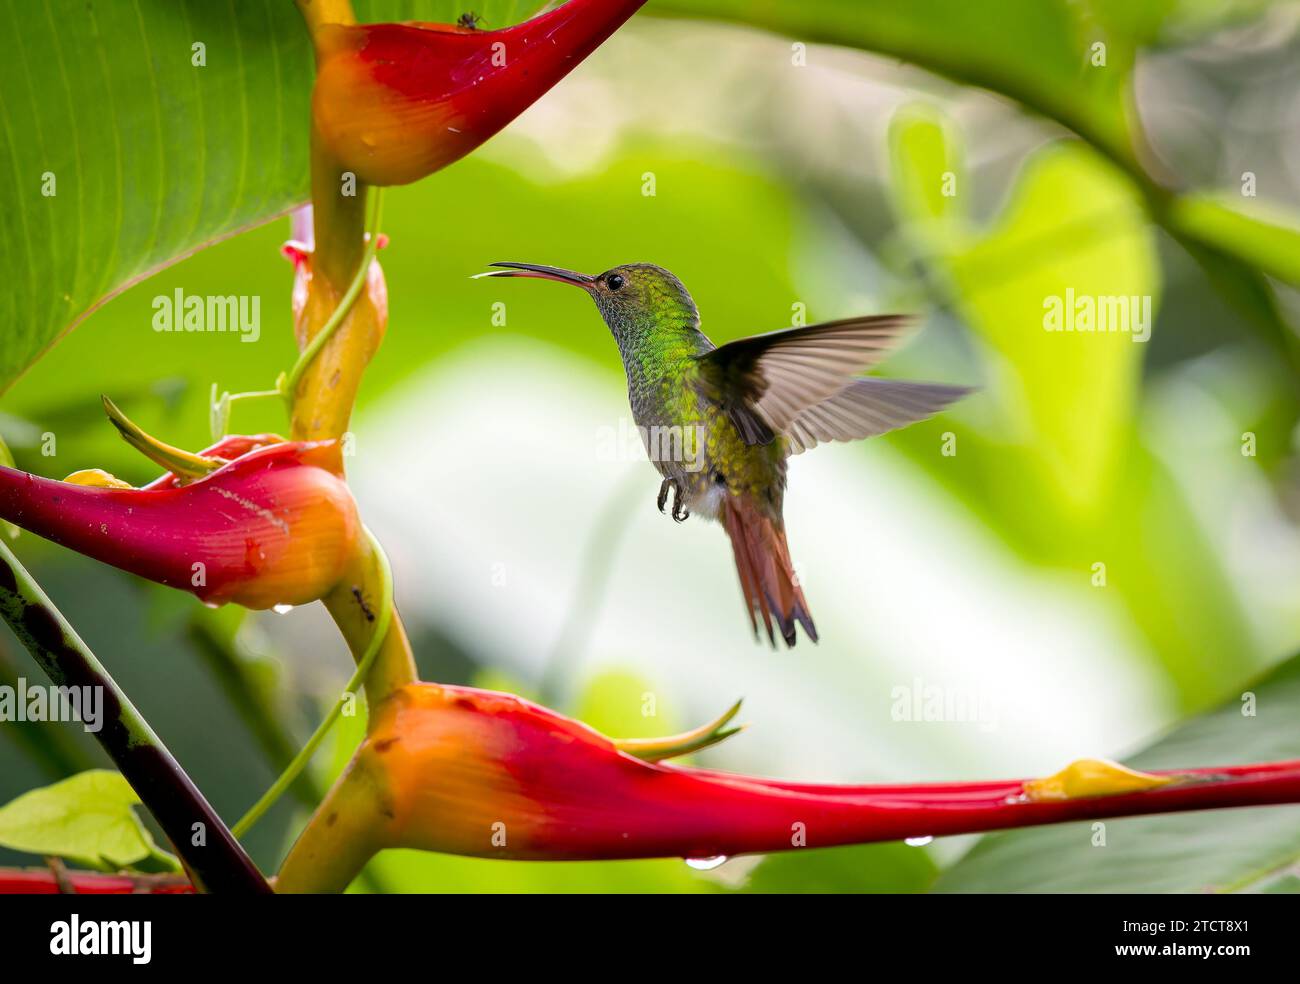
<point x="1092" y="777"/>
<point x="97" y="478"/>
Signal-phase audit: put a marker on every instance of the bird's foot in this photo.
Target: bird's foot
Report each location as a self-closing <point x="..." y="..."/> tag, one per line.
<point x="679" y="512"/>
<point x="664" y="486"/>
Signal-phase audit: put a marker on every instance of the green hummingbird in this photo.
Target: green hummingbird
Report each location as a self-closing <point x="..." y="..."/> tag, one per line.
<point x="719" y="421"/>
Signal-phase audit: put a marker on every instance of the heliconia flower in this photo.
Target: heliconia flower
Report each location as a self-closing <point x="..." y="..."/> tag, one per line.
<point x="276" y="525"/>
<point x="473" y="772"/>
<point x="396" y="102"/>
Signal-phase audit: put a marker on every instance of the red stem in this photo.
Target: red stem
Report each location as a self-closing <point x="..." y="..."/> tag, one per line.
<point x="42" y="881"/>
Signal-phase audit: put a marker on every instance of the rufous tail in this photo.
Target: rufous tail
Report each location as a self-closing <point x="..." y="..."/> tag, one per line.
<point x="767" y="577"/>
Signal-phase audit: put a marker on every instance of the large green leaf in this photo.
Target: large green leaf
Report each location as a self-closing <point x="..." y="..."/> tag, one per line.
<point x="121" y="154"/>
<point x="1217" y="850"/>
<point x="87" y="818"/>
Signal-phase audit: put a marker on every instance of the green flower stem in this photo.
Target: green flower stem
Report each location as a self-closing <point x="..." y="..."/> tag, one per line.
<point x="288" y="385"/>
<point x="217" y="862"/>
<point x="383" y="619"/>
<point x="219" y="407"/>
<point x="253" y="395"/>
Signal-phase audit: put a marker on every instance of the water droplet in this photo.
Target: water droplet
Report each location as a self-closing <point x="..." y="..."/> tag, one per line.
<point x="917" y="841"/>
<point x="707" y="864"/>
<point x="282" y="609"/>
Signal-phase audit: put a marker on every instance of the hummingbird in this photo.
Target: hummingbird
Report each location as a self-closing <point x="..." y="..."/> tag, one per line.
<point x="719" y="421"/>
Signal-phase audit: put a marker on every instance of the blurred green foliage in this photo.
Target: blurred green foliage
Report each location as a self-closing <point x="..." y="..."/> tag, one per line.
<point x="1065" y="437"/>
<point x="1062" y="457"/>
<point x="1175" y="853"/>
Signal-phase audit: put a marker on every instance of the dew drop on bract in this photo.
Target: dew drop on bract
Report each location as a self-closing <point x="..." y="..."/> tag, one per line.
<point x="917" y="841"/>
<point x="707" y="864"/>
<point x="282" y="609"/>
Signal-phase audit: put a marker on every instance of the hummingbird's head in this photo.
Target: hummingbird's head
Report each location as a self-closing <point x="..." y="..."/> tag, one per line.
<point x="632" y="298"/>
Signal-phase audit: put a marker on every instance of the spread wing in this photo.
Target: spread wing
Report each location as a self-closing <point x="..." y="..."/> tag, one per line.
<point x="867" y="407"/>
<point x="768" y="382"/>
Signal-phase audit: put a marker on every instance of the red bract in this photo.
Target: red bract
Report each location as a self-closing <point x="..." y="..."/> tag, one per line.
<point x="275" y="526"/>
<point x="395" y="102"/>
<point x="38" y="882"/>
<point x="473" y="772"/>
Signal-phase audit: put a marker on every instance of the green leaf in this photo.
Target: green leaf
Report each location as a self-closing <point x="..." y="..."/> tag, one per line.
<point x="423" y="872"/>
<point x="87" y="818"/>
<point x="122" y="154"/>
<point x="1218" y="850"/>
<point x="871" y="868"/>
<point x="1073" y="227"/>
<point x="1248" y="230"/>
<point x="926" y="160"/>
<point x="1070" y="486"/>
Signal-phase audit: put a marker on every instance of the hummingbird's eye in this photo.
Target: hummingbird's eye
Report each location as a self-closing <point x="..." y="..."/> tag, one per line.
<point x="615" y="281"/>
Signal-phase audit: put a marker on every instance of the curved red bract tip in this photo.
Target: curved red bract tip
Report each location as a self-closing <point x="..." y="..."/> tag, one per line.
<point x="275" y="526"/>
<point x="396" y="102"/>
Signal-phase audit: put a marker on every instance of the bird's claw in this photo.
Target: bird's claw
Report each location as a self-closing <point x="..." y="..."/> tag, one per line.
<point x="679" y="512"/>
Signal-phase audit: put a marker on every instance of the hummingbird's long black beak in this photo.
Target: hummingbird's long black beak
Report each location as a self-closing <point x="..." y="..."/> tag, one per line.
<point x="541" y="272"/>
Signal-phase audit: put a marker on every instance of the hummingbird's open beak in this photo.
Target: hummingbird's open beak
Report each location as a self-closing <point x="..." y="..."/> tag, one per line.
<point x="540" y="272"/>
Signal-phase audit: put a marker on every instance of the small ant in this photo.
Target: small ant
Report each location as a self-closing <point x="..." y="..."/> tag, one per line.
<point x="366" y="610"/>
<point x="469" y="20"/>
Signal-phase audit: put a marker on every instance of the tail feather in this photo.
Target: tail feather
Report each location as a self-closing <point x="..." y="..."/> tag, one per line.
<point x="767" y="578"/>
